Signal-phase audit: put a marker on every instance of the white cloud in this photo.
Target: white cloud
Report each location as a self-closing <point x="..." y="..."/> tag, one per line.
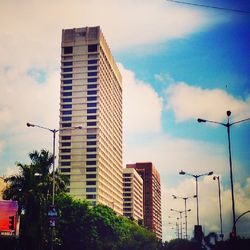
<point x="32" y="35"/>
<point x="142" y="105"/>
<point x="190" y="102"/>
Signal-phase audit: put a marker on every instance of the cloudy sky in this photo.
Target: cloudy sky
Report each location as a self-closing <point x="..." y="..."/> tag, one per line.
<point x="178" y="62"/>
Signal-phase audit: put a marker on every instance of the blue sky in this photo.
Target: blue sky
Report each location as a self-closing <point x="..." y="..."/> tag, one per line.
<point x="178" y="62"/>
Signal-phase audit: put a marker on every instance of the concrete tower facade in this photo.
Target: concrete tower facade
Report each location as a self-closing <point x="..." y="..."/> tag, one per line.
<point x="132" y="194"/>
<point x="91" y="97"/>
<point x="151" y="196"/>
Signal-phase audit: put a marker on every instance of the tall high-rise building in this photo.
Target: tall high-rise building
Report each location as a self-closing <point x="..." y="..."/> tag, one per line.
<point x="91" y="97"/>
<point x="151" y="196"/>
<point x="132" y="194"/>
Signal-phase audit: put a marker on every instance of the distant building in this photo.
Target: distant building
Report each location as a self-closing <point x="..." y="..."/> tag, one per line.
<point x="151" y="196"/>
<point x="132" y="195"/>
<point x="91" y="97"/>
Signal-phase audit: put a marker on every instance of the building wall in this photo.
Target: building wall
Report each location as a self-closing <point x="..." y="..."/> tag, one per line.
<point x="91" y="97"/>
<point x="151" y="196"/>
<point x="132" y="194"/>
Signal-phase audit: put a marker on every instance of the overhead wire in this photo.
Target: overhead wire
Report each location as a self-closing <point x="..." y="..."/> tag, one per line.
<point x="210" y="6"/>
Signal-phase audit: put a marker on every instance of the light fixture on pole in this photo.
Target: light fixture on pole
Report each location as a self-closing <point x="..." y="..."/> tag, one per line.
<point x="185" y="206"/>
<point x="53" y="131"/>
<point x="228" y="126"/>
<point x="218" y="181"/>
<point x="196" y="188"/>
<point x="197" y="228"/>
<point x="180" y="224"/>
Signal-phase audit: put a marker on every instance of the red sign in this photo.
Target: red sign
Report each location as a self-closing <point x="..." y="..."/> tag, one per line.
<point x="8" y="216"/>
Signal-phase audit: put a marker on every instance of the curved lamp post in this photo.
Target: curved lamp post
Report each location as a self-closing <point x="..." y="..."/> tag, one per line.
<point x="228" y="126"/>
<point x="218" y="180"/>
<point x="53" y="131"/>
<point x="196" y="188"/>
<point x="185" y="204"/>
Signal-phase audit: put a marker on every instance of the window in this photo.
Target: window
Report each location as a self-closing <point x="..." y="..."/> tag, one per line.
<point x="66" y="144"/>
<point x="91" y="92"/>
<point x="91" y="105"/>
<point x="66" y="125"/>
<point x="66" y="137"/>
<point x="67" y="118"/>
<point x="127" y="184"/>
<point x="92" y="48"/>
<point x="89" y="176"/>
<point x="67" y="94"/>
<point x="91" y="156"/>
<point x="91" y="136"/>
<point x="91" y="111"/>
<point x="91" y="117"/>
<point x="67" y="99"/>
<point x="67" y="112"/>
<point x="91" y="143"/>
<point x="91" y="130"/>
<point x="65" y="157"/>
<point x="67" y="63"/>
<point x="68" y="50"/>
<point x="92" y="98"/>
<point x="91" y="163"/>
<point x="65" y="170"/>
<point x="91" y="169"/>
<point x="91" y="196"/>
<point x="90" y="190"/>
<point x="67" y="106"/>
<point x="67" y="88"/>
<point x="92" y="73"/>
<point x="66" y="163"/>
<point x="92" y="86"/>
<point x="65" y="150"/>
<point x="92" y="67"/>
<point x="67" y="57"/>
<point x="67" y="76"/>
<point x="126" y="175"/>
<point x="67" y="70"/>
<point x="91" y="149"/>
<point x="92" y="61"/>
<point x="67" y="81"/>
<point x="92" y="79"/>
<point x="91" y="182"/>
<point x="91" y="123"/>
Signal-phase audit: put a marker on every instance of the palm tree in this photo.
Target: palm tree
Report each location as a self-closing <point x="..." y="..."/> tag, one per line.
<point x="31" y="188"/>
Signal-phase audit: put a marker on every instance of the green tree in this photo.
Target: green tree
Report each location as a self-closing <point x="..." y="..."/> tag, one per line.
<point x="31" y="187"/>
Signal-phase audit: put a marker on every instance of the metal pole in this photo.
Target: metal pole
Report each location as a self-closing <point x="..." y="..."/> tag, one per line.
<point x="181" y="223"/>
<point x="231" y="175"/>
<point x="197" y="199"/>
<point x="221" y="233"/>
<point x="185" y="200"/>
<point x="177" y="226"/>
<point x="53" y="169"/>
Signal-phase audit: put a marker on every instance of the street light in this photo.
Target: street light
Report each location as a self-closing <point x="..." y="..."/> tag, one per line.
<point x="180" y="212"/>
<point x="218" y="179"/>
<point x="185" y="203"/>
<point x="54" y="131"/>
<point x="228" y="125"/>
<point x="196" y="182"/>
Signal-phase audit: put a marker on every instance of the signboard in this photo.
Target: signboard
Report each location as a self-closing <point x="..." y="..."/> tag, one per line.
<point x="52" y="214"/>
<point x="8" y="217"/>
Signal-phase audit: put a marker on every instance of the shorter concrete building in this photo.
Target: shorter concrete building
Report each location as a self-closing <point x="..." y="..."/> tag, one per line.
<point x="132" y="195"/>
<point x="151" y="196"/>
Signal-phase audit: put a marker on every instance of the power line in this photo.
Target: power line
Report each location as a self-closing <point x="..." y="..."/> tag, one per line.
<point x="210" y="6"/>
